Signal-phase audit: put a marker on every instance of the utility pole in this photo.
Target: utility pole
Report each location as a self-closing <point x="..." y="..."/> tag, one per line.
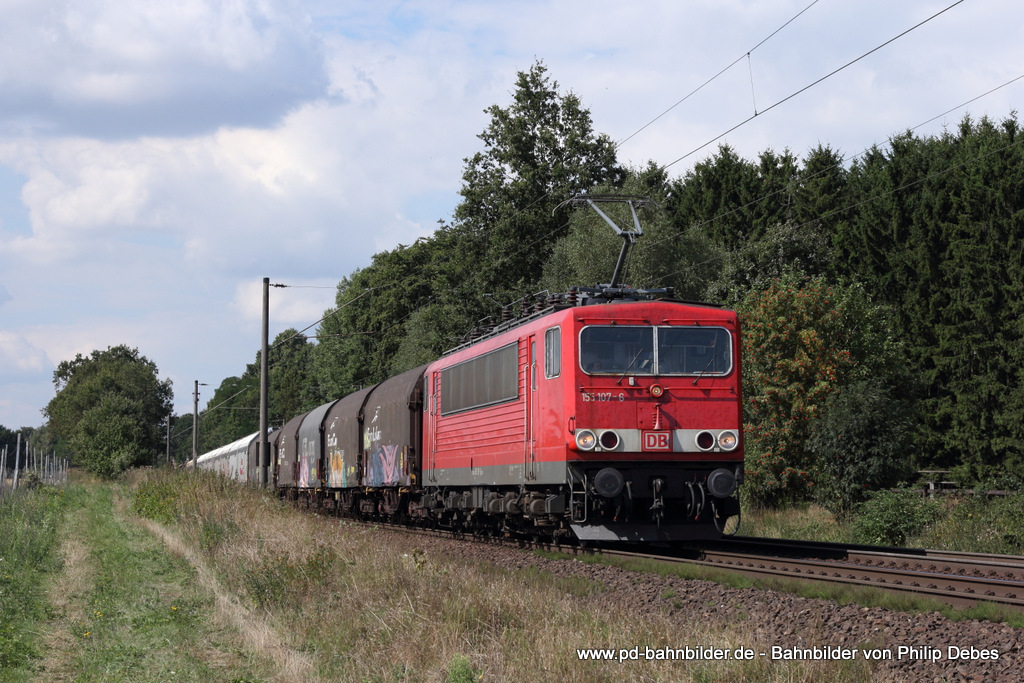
<point x="264" y="387"/>
<point x="169" y="438"/>
<point x="195" y="421"/>
<point x="17" y="454"/>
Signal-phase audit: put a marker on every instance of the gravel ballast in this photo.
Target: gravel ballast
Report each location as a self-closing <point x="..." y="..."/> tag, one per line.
<point x="910" y="646"/>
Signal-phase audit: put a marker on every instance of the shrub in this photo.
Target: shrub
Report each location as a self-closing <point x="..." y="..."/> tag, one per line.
<point x="156" y="500"/>
<point x="803" y="341"/>
<point x="860" y="442"/>
<point x="462" y="671"/>
<point x="891" y="517"/>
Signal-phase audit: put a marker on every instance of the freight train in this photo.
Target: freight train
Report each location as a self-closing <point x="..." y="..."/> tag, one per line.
<point x="602" y="415"/>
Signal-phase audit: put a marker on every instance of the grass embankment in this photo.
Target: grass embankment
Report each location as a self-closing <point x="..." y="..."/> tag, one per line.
<point x="88" y="594"/>
<point x="28" y="541"/>
<point x="198" y="579"/>
<point x="181" y="576"/>
<point x="969" y="522"/>
<point x="365" y="605"/>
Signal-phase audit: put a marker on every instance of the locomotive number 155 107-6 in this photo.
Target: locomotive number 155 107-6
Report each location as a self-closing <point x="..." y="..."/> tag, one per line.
<point x="598" y="396"/>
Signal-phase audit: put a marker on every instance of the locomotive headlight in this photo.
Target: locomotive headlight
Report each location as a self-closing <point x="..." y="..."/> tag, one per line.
<point x="728" y="440"/>
<point x="609" y="440"/>
<point x="705" y="441"/>
<point x="585" y="439"/>
<point x="656" y="390"/>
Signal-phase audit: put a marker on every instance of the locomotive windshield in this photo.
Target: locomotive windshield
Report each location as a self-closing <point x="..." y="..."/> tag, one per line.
<point x="655" y="350"/>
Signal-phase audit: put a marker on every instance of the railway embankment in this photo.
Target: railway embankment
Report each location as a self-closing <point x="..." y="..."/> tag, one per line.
<point x="175" y="576"/>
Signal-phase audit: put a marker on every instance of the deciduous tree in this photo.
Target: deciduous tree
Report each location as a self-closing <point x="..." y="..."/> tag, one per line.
<point x="803" y="340"/>
<point x="111" y="409"/>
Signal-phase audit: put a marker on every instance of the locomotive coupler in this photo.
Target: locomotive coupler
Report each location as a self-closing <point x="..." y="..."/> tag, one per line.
<point x="658" y="506"/>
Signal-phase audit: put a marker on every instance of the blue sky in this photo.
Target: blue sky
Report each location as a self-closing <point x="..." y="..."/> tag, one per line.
<point x="157" y="160"/>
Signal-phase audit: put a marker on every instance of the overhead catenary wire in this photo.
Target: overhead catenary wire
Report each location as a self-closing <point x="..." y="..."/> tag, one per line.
<point x="746" y="54"/>
<point x="333" y="311"/>
<point x="791" y="96"/>
<point x="881" y="195"/>
<point x="206" y="411"/>
<point x="812" y="84"/>
<point x="805" y="88"/>
<point x="829" y="169"/>
<point x="716" y="76"/>
<point x="531" y="244"/>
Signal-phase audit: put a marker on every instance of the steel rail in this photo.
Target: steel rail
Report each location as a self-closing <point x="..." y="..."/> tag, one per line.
<point x="959" y="579"/>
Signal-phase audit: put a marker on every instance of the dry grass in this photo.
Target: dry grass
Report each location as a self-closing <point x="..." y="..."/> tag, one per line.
<point x="806" y="522"/>
<point x="258" y="635"/>
<point x="354" y="603"/>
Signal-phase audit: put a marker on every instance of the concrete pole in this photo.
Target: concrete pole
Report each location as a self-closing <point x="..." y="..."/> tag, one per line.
<point x="17" y="452"/>
<point x="195" y="423"/>
<point x="264" y="468"/>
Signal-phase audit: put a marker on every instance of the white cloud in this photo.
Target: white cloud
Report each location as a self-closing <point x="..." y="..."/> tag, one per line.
<point x="114" y="68"/>
<point x="20" y="360"/>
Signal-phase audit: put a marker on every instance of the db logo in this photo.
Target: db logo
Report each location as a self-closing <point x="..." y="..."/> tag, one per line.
<point x="657" y="441"/>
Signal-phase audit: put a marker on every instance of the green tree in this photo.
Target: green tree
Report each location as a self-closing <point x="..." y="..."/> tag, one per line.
<point x="233" y="410"/>
<point x="783" y="250"/>
<point x="181" y="438"/>
<point x="860" y="442"/>
<point x="938" y="234"/>
<point x="291" y="390"/>
<point x="539" y="150"/>
<point x="821" y="187"/>
<point x="8" y="439"/>
<point x="731" y="199"/>
<point x="803" y="340"/>
<point x="111" y="408"/>
<point x="360" y="337"/>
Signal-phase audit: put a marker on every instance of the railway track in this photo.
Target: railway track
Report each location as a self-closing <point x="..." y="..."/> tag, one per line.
<point x="959" y="579"/>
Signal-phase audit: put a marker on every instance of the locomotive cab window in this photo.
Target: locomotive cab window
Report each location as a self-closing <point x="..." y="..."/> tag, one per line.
<point x="694" y="351"/>
<point x="552" y="352"/>
<point x="617" y="350"/>
<point x="610" y="350"/>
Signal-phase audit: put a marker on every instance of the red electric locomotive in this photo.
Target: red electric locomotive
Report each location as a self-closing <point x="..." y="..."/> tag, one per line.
<point x="619" y="421"/>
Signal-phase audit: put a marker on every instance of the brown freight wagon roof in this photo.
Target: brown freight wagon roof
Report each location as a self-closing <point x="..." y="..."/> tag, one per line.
<point x="342" y="421"/>
<point x="388" y="407"/>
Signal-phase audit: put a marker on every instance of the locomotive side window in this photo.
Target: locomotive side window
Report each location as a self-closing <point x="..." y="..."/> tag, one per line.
<point x="616" y="350"/>
<point x="553" y="352"/>
<point x="694" y="351"/>
<point x="483" y="381"/>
